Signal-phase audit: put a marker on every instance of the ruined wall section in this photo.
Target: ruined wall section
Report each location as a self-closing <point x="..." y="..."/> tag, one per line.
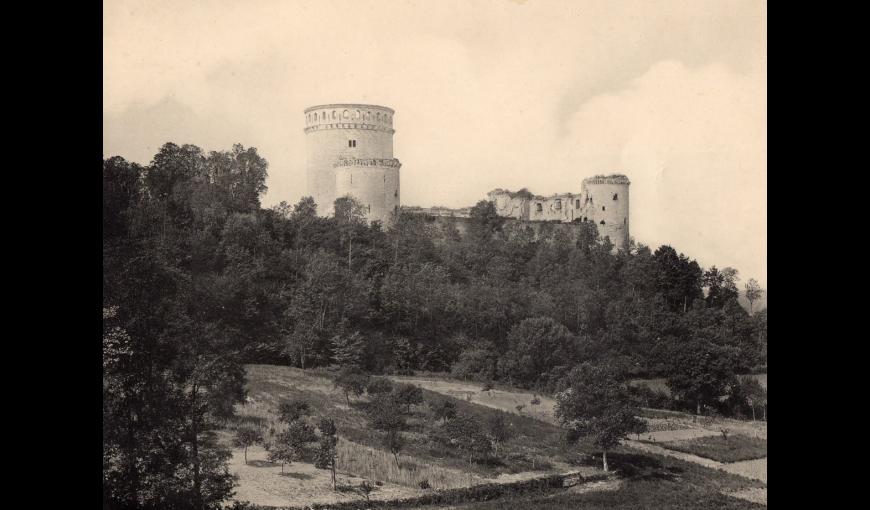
<point x="510" y="205"/>
<point x="603" y="200"/>
<point x="564" y="207"/>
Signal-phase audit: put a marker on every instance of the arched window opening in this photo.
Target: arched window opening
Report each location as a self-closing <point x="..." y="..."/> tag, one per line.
<point x="577" y="204"/>
<point x="558" y="204"/>
<point x="603" y="208"/>
<point x="539" y="207"/>
<point x="615" y="195"/>
<point x="602" y="222"/>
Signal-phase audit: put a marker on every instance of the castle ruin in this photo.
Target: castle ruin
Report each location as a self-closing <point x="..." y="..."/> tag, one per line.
<point x="603" y="200"/>
<point x="350" y="153"/>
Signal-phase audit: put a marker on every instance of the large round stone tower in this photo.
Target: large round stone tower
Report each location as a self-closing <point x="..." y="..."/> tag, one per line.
<point x="605" y="201"/>
<point x="350" y="152"/>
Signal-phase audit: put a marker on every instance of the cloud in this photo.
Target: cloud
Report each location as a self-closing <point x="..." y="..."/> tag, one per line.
<point x="693" y="142"/>
<point x="487" y="94"/>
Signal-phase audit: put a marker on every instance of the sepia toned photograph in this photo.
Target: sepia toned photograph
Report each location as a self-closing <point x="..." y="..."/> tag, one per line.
<point x="420" y="254"/>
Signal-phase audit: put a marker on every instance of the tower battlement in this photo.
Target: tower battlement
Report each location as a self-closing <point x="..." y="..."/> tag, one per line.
<point x="349" y="116"/>
<point x="607" y="179"/>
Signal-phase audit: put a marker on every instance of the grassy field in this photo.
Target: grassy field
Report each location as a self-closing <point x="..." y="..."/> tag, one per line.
<point x="535" y="446"/>
<point x="648" y="482"/>
<point x="644" y="480"/>
<point x="736" y="448"/>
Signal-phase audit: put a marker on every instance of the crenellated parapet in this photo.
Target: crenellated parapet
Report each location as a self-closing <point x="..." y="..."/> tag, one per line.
<point x="381" y="162"/>
<point x="349" y="116"/>
<point x="607" y="179"/>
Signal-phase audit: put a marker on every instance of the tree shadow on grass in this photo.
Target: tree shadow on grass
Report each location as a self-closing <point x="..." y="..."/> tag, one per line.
<point x="297" y="476"/>
<point x="642" y="467"/>
<point x="262" y="463"/>
<point x="633" y="465"/>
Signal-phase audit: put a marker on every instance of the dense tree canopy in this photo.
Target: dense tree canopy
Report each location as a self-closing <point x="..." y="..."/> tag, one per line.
<point x="199" y="278"/>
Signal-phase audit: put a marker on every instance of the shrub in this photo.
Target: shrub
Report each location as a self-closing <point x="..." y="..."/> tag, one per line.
<point x="408" y="394"/>
<point x="291" y="410"/>
<point x="378" y="385"/>
<point x="443" y="409"/>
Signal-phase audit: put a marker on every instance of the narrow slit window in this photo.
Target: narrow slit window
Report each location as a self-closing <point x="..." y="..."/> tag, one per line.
<point x="615" y="196"/>
<point x="603" y="208"/>
<point x="577" y="204"/>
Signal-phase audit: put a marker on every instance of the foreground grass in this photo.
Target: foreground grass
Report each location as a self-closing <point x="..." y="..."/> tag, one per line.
<point x="734" y="449"/>
<point x="648" y="482"/>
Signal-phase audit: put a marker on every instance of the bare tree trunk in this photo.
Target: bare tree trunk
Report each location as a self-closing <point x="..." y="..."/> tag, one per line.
<point x="246" y="455"/>
<point x="396" y="456"/>
<point x="197" y="476"/>
<point x="604" y="457"/>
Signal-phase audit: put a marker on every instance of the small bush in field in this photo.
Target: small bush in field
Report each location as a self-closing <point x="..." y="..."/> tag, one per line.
<point x="291" y="410"/>
<point x="351" y="380"/>
<point x="366" y="488"/>
<point x="443" y="409"/>
<point x="245" y="437"/>
<point x="379" y="385"/>
<point x="408" y="395"/>
<point x="424" y="484"/>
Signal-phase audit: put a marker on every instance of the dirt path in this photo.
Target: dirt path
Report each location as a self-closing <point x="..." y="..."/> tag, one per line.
<point x="671" y="426"/>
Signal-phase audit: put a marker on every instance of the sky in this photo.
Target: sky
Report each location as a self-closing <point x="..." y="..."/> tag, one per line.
<point x="487" y="93"/>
